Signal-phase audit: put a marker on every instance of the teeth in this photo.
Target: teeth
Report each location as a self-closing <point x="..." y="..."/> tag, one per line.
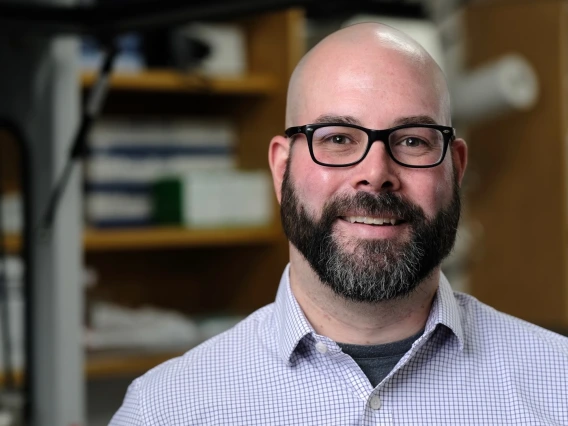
<point x="370" y="220"/>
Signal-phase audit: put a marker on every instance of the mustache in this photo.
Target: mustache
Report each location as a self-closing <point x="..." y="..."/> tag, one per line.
<point x="365" y="203"/>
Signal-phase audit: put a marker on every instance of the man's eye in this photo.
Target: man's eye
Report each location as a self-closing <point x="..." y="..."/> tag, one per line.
<point x="413" y="142"/>
<point x="338" y="139"/>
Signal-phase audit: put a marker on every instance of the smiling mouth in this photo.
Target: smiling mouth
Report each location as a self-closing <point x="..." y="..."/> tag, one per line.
<point x="368" y="220"/>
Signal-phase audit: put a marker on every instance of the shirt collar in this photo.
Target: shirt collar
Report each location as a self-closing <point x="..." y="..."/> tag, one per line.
<point x="446" y="311"/>
<point x="292" y="325"/>
<point x="291" y="322"/>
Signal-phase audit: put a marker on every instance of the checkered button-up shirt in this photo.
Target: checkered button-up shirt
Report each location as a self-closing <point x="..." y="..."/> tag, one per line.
<point x="472" y="366"/>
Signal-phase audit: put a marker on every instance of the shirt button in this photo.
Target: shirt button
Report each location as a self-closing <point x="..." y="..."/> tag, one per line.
<point x="375" y="402"/>
<point x="321" y="347"/>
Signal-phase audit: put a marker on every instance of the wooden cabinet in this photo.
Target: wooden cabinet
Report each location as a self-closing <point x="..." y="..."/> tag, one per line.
<point x="521" y="166"/>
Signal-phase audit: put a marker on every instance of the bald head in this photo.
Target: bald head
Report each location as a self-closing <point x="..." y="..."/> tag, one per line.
<point x="368" y="58"/>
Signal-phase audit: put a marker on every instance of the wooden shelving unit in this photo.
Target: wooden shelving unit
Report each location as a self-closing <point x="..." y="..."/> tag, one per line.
<point x="197" y="271"/>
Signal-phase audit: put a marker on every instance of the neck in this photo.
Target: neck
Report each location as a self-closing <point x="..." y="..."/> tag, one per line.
<point x="359" y="323"/>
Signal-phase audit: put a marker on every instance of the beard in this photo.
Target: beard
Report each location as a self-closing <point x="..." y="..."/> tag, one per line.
<point x="374" y="270"/>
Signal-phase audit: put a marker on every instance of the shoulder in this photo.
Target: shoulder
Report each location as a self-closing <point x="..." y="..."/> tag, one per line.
<point x="243" y="337"/>
<point x="485" y="325"/>
<point x="197" y="378"/>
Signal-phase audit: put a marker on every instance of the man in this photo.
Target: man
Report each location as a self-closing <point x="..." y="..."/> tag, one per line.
<point x="365" y="329"/>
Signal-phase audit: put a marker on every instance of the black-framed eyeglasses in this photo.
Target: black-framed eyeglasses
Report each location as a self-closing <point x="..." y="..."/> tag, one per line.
<point x="342" y="145"/>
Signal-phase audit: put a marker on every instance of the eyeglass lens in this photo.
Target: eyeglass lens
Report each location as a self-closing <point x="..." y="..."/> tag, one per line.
<point x="415" y="146"/>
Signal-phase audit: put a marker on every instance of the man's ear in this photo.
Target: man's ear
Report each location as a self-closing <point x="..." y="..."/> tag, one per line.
<point x="278" y="153"/>
<point x="459" y="157"/>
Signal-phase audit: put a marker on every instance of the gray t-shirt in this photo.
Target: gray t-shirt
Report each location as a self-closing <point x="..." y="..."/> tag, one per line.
<point x="377" y="361"/>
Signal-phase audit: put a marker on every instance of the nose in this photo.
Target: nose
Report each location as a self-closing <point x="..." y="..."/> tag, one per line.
<point x="377" y="172"/>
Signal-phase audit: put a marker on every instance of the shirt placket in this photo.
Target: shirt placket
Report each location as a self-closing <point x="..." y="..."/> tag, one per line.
<point x="330" y="358"/>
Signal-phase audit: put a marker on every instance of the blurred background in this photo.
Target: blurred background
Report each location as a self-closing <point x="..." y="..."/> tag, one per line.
<point x="139" y="220"/>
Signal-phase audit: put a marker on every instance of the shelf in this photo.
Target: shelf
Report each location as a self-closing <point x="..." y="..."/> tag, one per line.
<point x="165" y="237"/>
<point x="101" y="365"/>
<point x="172" y="81"/>
<point x="140" y="239"/>
<point x="111" y="364"/>
<point x="12" y="243"/>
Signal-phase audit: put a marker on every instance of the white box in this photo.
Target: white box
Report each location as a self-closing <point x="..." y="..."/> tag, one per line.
<point x="227" y="198"/>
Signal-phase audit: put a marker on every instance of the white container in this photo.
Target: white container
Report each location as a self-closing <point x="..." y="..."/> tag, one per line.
<point x="227" y="198"/>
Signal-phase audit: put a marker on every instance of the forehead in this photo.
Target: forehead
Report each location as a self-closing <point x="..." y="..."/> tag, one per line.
<point x="376" y="87"/>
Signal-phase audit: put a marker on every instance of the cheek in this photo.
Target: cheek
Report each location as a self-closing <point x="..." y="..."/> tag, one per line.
<point x="444" y="188"/>
<point x="431" y="189"/>
<point x="314" y="184"/>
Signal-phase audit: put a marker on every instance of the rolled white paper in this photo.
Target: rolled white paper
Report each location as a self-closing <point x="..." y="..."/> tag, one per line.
<point x="504" y="85"/>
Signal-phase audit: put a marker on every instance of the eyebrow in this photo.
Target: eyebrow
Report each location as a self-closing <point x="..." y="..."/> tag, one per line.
<point x="349" y="119"/>
<point x="339" y="119"/>
<point x="415" y="119"/>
